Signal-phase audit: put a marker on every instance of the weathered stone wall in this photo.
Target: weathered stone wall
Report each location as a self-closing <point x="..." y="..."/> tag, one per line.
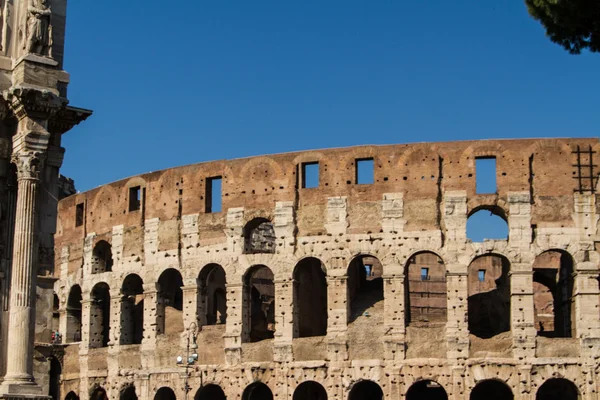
<point x="471" y="331"/>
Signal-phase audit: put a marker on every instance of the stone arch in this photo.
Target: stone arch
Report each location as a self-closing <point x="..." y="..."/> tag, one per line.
<point x="257" y="391"/>
<point x="365" y="390"/>
<point x="558" y="389"/>
<point x="365" y="286"/>
<point x="132" y="310"/>
<point x="73" y="333"/>
<point x="100" y="315"/>
<point x="553" y="293"/>
<point x="55" y="373"/>
<point x="425" y="290"/>
<point x="127" y="392"/>
<point x="170" y="302"/>
<point x="498" y="220"/>
<point x="212" y="295"/>
<point x="98" y="393"/>
<point x="426" y="389"/>
<point x="165" y="393"/>
<point x="102" y="259"/>
<point x="491" y="389"/>
<point x="310" y="298"/>
<point x="71" y="396"/>
<point x="258" y="304"/>
<point x="210" y="392"/>
<point x="259" y="236"/>
<point x="310" y="390"/>
<point x="489" y="295"/>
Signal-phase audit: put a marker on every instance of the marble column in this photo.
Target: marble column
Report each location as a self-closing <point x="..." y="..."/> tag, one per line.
<point x="19" y="369"/>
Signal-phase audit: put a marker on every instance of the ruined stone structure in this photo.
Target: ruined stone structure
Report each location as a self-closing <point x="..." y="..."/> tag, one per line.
<point x="34" y="113"/>
<point x="344" y="287"/>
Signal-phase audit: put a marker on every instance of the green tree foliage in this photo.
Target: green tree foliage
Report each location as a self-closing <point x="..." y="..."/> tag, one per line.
<point x="573" y="24"/>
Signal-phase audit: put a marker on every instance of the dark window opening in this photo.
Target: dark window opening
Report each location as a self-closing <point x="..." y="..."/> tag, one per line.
<point x="485" y="175"/>
<point x="128" y="393"/>
<point x="259" y="236"/>
<point x="491" y="389"/>
<point x="429" y="390"/>
<point x="365" y="390"/>
<point x="425" y="291"/>
<point x="102" y="260"/>
<point x="73" y="333"/>
<point x="310" y="298"/>
<point x="100" y="316"/>
<point x="365" y="171"/>
<point x="257" y="391"/>
<point x="310" y="390"/>
<point x="165" y="393"/>
<point x="132" y="310"/>
<point x="481" y="275"/>
<point x="210" y="392"/>
<point x="259" y="300"/>
<point x="557" y="389"/>
<point x="212" y="299"/>
<point x="135" y="198"/>
<point x="365" y="287"/>
<point x="79" y="214"/>
<point x="424" y="274"/>
<point x="310" y="175"/>
<point x="214" y="198"/>
<point x="170" y="303"/>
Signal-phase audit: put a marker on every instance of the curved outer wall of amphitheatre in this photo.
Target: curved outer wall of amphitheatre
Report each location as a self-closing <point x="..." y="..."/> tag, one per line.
<point x="159" y="244"/>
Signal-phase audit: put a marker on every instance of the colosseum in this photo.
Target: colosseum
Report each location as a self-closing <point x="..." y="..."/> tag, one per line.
<point x="333" y="274"/>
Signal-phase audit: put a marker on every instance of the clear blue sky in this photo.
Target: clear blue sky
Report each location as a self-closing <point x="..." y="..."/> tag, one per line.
<point x="175" y="83"/>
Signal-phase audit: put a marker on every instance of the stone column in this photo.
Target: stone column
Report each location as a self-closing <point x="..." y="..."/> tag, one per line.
<point x="116" y="299"/>
<point x="284" y="324"/>
<point x="394" y="317"/>
<point x="234" y="323"/>
<point x="150" y="314"/>
<point x="337" y="317"/>
<point x="522" y="310"/>
<point x="19" y="369"/>
<point x="457" y="327"/>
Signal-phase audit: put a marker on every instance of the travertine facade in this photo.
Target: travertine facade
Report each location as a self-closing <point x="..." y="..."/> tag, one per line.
<point x="341" y="291"/>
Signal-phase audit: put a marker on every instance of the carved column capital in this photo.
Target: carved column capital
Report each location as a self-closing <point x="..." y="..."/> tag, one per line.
<point x="33" y="103"/>
<point x="29" y="164"/>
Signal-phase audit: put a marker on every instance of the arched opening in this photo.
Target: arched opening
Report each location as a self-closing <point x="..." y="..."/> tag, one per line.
<point x="71" y="396"/>
<point x="259" y="236"/>
<point x="102" y="260"/>
<point x="211" y="296"/>
<point x="429" y="390"/>
<point x="553" y="294"/>
<point x="491" y="389"/>
<point x="310" y="390"/>
<point x="170" y="303"/>
<point x="487" y="223"/>
<point x="100" y="316"/>
<point x="55" y="372"/>
<point x="128" y="393"/>
<point x="489" y="296"/>
<point x="165" y="393"/>
<point x="425" y="290"/>
<point x="557" y="389"/>
<point x="365" y="287"/>
<point x="55" y="317"/>
<point x="98" y="394"/>
<point x="210" y="392"/>
<point x="310" y="298"/>
<point x="132" y="310"/>
<point x="73" y="333"/>
<point x="257" y="391"/>
<point x="365" y="390"/>
<point x="259" y="304"/>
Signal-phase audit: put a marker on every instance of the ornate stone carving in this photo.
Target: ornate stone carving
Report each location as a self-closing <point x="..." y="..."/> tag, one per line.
<point x="33" y="102"/>
<point x="29" y="164"/>
<point x="39" y="28"/>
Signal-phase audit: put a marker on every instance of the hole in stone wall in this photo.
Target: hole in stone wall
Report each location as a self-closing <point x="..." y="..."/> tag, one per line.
<point x="257" y="391"/>
<point x="214" y="198"/>
<point x="165" y="393"/>
<point x="491" y="389"/>
<point x="212" y="294"/>
<point x="259" y="304"/>
<point x="365" y="171"/>
<point x="427" y="389"/>
<point x="170" y="303"/>
<point x="485" y="175"/>
<point x="365" y="287"/>
<point x="365" y="390"/>
<point x="100" y="316"/>
<point x="79" y="210"/>
<point x="310" y="175"/>
<point x="135" y="198"/>
<point x="99" y="394"/>
<point x="54" y="384"/>
<point x="553" y="294"/>
<point x="102" y="260"/>
<point x="487" y="223"/>
<point x="557" y="389"/>
<point x="132" y="310"/>
<point x="489" y="300"/>
<point x="425" y="290"/>
<point x="128" y="393"/>
<point x="210" y="392"/>
<point x="259" y="236"/>
<point x="73" y="333"/>
<point x="71" y="396"/>
<point x="310" y="390"/>
<point x="310" y="298"/>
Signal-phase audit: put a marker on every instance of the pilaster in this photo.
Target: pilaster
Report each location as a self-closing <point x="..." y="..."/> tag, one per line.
<point x="522" y="310"/>
<point x="284" y="324"/>
<point x="457" y="327"/>
<point x="234" y="323"/>
<point x="394" y="317"/>
<point x="337" y="321"/>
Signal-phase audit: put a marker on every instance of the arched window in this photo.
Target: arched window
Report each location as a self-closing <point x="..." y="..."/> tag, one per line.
<point x="98" y="394"/>
<point x="557" y="389"/>
<point x="427" y="389"/>
<point x="100" y="316"/>
<point x="170" y="304"/>
<point x="553" y="294"/>
<point x="310" y="390"/>
<point x="489" y="296"/>
<point x="102" y="260"/>
<point x="365" y="390"/>
<point x="310" y="298"/>
<point x="259" y="236"/>
<point x="211" y="296"/>
<point x="55" y="313"/>
<point x="425" y="290"/>
<point x="165" y="393"/>
<point x="487" y="223"/>
<point x="132" y="310"/>
<point x="257" y="391"/>
<point x="210" y="392"/>
<point x="128" y="393"/>
<point x="71" y="396"/>
<point x="259" y="304"/>
<point x="73" y="333"/>
<point x="365" y="287"/>
<point x="491" y="389"/>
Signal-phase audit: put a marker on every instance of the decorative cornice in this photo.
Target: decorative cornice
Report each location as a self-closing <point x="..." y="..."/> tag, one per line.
<point x="65" y="119"/>
<point x="32" y="102"/>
